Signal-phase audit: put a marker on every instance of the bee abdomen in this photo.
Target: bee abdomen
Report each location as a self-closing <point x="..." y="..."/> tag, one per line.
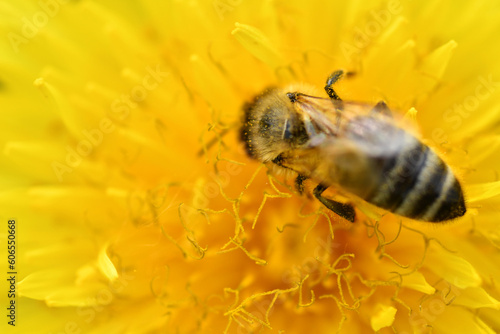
<point x="419" y="185"/>
<point x="437" y="195"/>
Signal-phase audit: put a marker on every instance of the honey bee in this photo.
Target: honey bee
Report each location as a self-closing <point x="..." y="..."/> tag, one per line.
<point x="358" y="149"/>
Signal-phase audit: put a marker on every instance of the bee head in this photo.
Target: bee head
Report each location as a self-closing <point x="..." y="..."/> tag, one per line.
<point x="271" y="125"/>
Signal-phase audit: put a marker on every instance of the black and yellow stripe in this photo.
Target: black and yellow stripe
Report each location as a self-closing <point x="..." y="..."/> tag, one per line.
<point x="417" y="184"/>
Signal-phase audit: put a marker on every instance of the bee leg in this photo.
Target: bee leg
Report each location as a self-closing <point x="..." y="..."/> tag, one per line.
<point x="382" y="108"/>
<point x="299" y="183"/>
<point x="344" y="210"/>
<point x="332" y="79"/>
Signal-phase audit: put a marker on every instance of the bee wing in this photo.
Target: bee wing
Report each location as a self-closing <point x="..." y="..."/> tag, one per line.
<point x="342" y="151"/>
<point x="352" y="125"/>
<point x="327" y="113"/>
<point x="336" y="161"/>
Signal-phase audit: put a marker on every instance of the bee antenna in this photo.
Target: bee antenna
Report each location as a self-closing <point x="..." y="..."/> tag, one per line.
<point x="294" y="97"/>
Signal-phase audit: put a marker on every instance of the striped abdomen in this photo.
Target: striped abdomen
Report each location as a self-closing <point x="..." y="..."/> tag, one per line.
<point x="416" y="183"/>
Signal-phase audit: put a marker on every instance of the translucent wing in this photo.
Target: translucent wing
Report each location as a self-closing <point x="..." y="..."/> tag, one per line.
<point x="350" y="144"/>
<point x="356" y="126"/>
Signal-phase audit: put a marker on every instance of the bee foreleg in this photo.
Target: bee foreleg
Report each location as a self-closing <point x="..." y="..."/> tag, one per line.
<point x="299" y="183"/>
<point x="333" y="78"/>
<point x="382" y="108"/>
<point x="344" y="210"/>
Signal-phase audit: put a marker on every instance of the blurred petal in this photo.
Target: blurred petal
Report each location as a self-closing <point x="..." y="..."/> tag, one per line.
<point x="383" y="318"/>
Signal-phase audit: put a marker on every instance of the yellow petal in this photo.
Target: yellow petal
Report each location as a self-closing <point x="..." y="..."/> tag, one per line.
<point x="456" y="320"/>
<point x="452" y="268"/>
<point x="491" y="317"/>
<point x="383" y="318"/>
<point x="26" y="153"/>
<point x="411" y="115"/>
<point x="479" y="124"/>
<point x="209" y="82"/>
<point x="59" y="101"/>
<point x="106" y="266"/>
<point x="435" y="64"/>
<point x="416" y="281"/>
<point x="257" y="44"/>
<point x="71" y="296"/>
<point x="86" y="273"/>
<point x="482" y="191"/>
<point x="482" y="148"/>
<point x="41" y="286"/>
<point x="476" y="298"/>
<point x="36" y="285"/>
<point x="393" y="31"/>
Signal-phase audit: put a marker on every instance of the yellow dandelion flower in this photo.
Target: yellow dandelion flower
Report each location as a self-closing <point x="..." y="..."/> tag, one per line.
<point x="114" y="223"/>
